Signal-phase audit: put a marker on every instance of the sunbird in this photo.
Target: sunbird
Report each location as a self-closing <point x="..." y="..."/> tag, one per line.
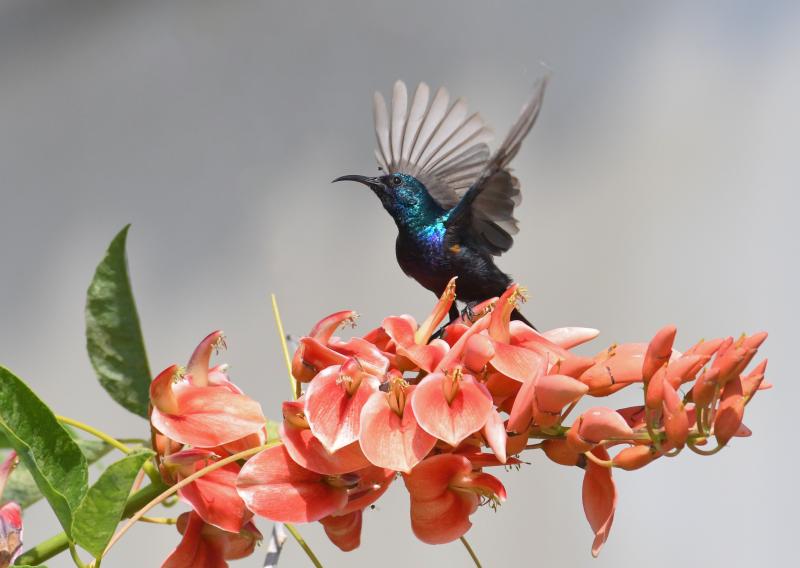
<point x="452" y="200"/>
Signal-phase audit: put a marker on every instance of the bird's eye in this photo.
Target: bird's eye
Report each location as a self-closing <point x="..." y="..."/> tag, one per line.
<point x="395" y="181"/>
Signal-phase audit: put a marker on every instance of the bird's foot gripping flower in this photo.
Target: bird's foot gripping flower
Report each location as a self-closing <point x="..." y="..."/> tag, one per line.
<point x="390" y="403"/>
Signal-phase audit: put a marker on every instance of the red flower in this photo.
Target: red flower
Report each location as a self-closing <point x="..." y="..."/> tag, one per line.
<point x="391" y="437"/>
<point x="599" y="499"/>
<point x="444" y="492"/>
<point x="213" y="496"/>
<point x="10" y="518"/>
<point x="207" y="546"/>
<point x="199" y="408"/>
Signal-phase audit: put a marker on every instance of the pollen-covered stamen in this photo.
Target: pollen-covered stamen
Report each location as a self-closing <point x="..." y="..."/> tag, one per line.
<point x="501" y="316"/>
<point x="397" y="394"/>
<point x="442" y="308"/>
<point x="451" y="383"/>
<point x="161" y="395"/>
<point x="487" y="487"/>
<point x="350" y="376"/>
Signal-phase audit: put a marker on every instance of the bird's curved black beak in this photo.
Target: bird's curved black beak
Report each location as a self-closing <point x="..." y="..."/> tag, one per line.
<point x="372" y="182"/>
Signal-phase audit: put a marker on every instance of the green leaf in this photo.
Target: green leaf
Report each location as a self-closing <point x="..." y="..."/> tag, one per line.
<point x="273" y="431"/>
<point x="113" y="335"/>
<point x="100" y="511"/>
<point x="51" y="455"/>
<point x="22" y="488"/>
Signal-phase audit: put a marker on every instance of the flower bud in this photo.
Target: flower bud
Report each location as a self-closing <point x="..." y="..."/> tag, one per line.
<point x="635" y="457"/>
<point x="730" y="412"/>
<point x="676" y="420"/>
<point x="658" y="351"/>
<point x="561" y="452"/>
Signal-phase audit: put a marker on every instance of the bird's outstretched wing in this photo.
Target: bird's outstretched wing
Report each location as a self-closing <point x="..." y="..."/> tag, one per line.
<point x="486" y="210"/>
<point x="440" y="144"/>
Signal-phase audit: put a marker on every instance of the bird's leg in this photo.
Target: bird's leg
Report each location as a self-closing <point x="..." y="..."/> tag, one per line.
<point x="468" y="313"/>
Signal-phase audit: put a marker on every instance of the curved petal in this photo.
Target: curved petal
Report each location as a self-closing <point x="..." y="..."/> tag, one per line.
<point x="517" y="362"/>
<point x="466" y="413"/>
<point x="599" y="499"/>
<point x="372" y="483"/>
<point x="209" y="417"/>
<point x="344" y="530"/>
<point x="274" y="486"/>
<point x="215" y="499"/>
<point x="334" y="413"/>
<point x="390" y="441"/>
<point x="569" y="337"/>
<point x="309" y="452"/>
<point x="193" y="550"/>
<point x="327" y="326"/>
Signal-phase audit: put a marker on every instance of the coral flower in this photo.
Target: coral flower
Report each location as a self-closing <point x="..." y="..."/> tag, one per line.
<point x="390" y="434"/>
<point x="444" y="492"/>
<point x="344" y="530"/>
<point x="207" y="546"/>
<point x="201" y="409"/>
<point x="274" y="486"/>
<point x="309" y="452"/>
<point x="334" y="400"/>
<point x="599" y="499"/>
<point x="213" y="496"/>
<point x="451" y="406"/>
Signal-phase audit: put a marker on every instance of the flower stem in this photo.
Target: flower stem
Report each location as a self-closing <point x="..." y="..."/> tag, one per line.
<point x="181" y="484"/>
<point x="159" y="520"/>
<point x="57" y="544"/>
<point x="303" y="544"/>
<point x="148" y="467"/>
<point x="292" y="381"/>
<point x="471" y="552"/>
<point x="602" y="463"/>
<point x="75" y="558"/>
<point x="110" y="440"/>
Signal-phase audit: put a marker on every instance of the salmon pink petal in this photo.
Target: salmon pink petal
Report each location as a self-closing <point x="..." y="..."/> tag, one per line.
<point x="215" y="499"/>
<point x="466" y="412"/>
<point x="659" y="351"/>
<point x="554" y="392"/>
<point x="309" y="452"/>
<point x="334" y="400"/>
<point x="372" y="360"/>
<point x="501" y="315"/>
<point x="599" y="499"/>
<point x="440" y="310"/>
<point x="620" y="365"/>
<point x="193" y="550"/>
<point x="635" y="457"/>
<point x="233" y="546"/>
<point x="494" y="431"/>
<point x="569" y="337"/>
<point x="676" y="419"/>
<point x="344" y="530"/>
<point x="454" y="356"/>
<point x="477" y="353"/>
<point x="521" y="414"/>
<point x="209" y="417"/>
<point x="442" y="520"/>
<point x="326" y="327"/>
<point x="518" y="362"/>
<point x="730" y="413"/>
<point x="400" y="328"/>
<point x="274" y="486"/>
<point x="311" y="357"/>
<point x="389" y="440"/>
<point x="200" y="360"/>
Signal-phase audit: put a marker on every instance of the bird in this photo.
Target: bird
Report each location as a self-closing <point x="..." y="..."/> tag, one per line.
<point x="452" y="199"/>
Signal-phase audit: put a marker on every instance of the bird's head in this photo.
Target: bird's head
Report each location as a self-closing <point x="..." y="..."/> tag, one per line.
<point x="402" y="195"/>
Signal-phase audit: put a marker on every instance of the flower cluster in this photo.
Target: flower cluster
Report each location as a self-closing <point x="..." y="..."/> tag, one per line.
<point x="438" y="412"/>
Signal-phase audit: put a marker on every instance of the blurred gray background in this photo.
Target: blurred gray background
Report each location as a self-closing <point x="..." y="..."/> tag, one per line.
<point x="660" y="187"/>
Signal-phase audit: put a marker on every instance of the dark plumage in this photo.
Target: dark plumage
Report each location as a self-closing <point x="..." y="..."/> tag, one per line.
<point x="452" y="201"/>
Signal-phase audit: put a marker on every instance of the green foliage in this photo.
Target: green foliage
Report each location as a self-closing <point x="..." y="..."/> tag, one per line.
<point x="21" y="486"/>
<point x="100" y="511"/>
<point x="50" y="454"/>
<point x="113" y="334"/>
